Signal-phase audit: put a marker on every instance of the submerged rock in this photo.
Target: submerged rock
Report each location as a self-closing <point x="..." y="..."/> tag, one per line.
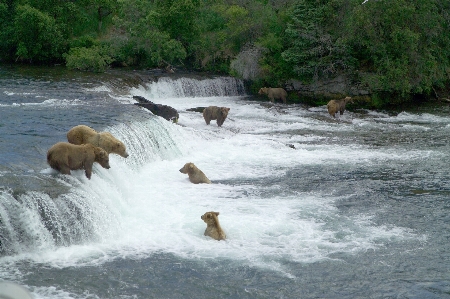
<point x="167" y="112"/>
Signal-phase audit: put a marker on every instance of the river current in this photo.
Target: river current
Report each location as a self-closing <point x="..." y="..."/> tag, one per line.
<point x="313" y="207"/>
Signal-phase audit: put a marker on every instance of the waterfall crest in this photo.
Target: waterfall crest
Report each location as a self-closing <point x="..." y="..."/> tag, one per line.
<point x="166" y="87"/>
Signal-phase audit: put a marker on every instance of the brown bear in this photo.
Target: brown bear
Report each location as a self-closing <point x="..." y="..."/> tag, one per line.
<point x="214" y="112"/>
<point x="213" y="228"/>
<point x="338" y="105"/>
<point x="196" y="176"/>
<point x="82" y="134"/>
<point x="64" y="157"/>
<point x="274" y="93"/>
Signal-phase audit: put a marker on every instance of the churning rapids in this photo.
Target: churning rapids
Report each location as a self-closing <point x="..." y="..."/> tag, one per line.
<point x="359" y="208"/>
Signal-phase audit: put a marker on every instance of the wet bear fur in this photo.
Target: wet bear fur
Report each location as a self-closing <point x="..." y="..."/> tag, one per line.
<point x="65" y="157"/>
<point x="213" y="228"/>
<point x="82" y="134"/>
<point x="334" y="106"/>
<point x="214" y="112"/>
<point x="274" y="93"/>
<point x="196" y="176"/>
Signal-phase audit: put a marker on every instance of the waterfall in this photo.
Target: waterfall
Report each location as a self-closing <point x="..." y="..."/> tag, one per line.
<point x="166" y="87"/>
<point x="82" y="210"/>
<point x="44" y="210"/>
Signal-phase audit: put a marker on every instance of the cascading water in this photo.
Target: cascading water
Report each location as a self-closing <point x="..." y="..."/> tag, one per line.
<point x="34" y="219"/>
<point x="166" y="87"/>
<point x="312" y="206"/>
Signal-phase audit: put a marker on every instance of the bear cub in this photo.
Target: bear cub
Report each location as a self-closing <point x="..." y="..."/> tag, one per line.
<point x="65" y="157"/>
<point x="213" y="228"/>
<point x="196" y="176"/>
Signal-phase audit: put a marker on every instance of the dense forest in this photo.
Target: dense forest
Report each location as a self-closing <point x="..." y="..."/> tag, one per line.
<point x="397" y="50"/>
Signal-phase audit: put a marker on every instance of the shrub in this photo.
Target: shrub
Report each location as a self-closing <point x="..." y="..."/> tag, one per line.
<point x="93" y="59"/>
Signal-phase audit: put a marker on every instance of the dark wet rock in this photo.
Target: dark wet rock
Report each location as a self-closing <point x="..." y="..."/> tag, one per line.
<point x="167" y="112"/>
<point x="197" y="109"/>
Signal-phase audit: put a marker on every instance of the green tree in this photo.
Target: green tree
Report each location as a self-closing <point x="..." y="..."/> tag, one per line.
<point x="140" y="37"/>
<point x="403" y="47"/>
<point x="7" y="48"/>
<point x="315" y="49"/>
<point x="178" y="19"/>
<point x="37" y="36"/>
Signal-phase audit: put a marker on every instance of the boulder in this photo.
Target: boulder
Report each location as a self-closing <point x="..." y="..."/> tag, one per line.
<point x="167" y="112"/>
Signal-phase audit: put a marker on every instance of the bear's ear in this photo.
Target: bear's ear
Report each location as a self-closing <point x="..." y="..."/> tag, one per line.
<point x="191" y="165"/>
<point x="228" y="109"/>
<point x="217" y="213"/>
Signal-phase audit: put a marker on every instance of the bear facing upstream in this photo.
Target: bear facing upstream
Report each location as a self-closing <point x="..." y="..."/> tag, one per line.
<point x="213" y="228"/>
<point x="338" y="105"/>
<point x="65" y="157"/>
<point x="82" y="134"/>
<point x="214" y="112"/>
<point x="196" y="176"/>
<point x="274" y="93"/>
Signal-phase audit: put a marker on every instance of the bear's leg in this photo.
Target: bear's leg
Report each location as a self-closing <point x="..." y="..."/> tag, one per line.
<point x="88" y="170"/>
<point x="88" y="173"/>
<point x="207" y="121"/>
<point x="64" y="169"/>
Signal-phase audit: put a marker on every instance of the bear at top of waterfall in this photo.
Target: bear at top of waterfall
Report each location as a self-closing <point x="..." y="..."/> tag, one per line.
<point x="196" y="176"/>
<point x="274" y="93"/>
<point x="82" y="134"/>
<point x="213" y="228"/>
<point x="334" y="106"/>
<point x="214" y="112"/>
<point x="64" y="157"/>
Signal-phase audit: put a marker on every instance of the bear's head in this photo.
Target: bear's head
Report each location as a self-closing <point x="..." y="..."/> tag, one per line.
<point x="210" y="218"/>
<point x="263" y="90"/>
<point x="222" y="114"/>
<point x="120" y="149"/>
<point x="101" y="157"/>
<point x="188" y="168"/>
<point x="224" y="111"/>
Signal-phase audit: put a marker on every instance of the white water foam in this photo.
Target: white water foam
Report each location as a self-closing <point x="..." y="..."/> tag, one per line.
<point x="143" y="204"/>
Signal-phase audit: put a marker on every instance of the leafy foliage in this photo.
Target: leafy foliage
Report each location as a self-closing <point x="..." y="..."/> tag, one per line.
<point x="402" y="46"/>
<point x="315" y="51"/>
<point x="37" y="35"/>
<point x="394" y="49"/>
<point x="95" y="59"/>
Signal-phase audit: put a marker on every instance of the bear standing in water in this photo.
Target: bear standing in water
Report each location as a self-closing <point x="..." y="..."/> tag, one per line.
<point x="334" y="106"/>
<point x="82" y="134"/>
<point x="65" y="157"/>
<point x="214" y="112"/>
<point x="213" y="228"/>
<point x="274" y="93"/>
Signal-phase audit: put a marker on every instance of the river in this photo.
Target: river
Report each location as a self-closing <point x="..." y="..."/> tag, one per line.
<point x="313" y="207"/>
